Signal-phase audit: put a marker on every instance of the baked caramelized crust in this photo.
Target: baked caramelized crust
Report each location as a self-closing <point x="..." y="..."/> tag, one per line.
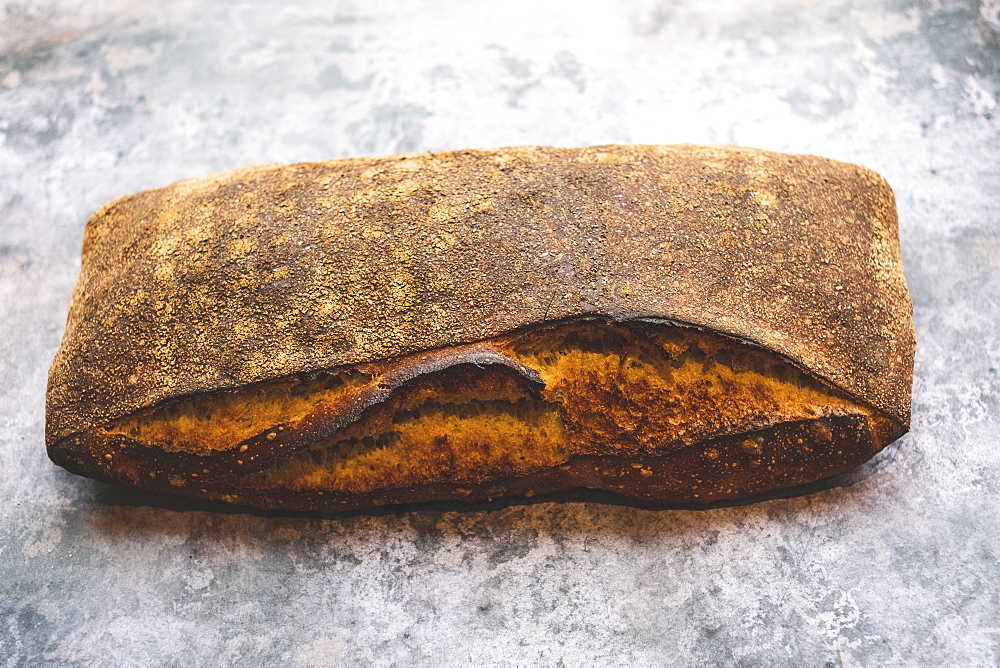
<point x="676" y="323"/>
<point x="654" y="410"/>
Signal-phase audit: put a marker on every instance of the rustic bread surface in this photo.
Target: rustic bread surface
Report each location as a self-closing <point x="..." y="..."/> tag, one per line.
<point x="332" y="291"/>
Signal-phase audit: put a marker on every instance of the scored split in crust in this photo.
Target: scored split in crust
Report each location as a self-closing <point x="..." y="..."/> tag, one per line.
<point x="653" y="410"/>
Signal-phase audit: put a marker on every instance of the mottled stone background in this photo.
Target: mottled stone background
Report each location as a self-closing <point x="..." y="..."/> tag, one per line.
<point x="893" y="564"/>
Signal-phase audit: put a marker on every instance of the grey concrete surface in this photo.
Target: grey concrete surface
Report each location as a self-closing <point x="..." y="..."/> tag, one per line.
<point x="895" y="564"/>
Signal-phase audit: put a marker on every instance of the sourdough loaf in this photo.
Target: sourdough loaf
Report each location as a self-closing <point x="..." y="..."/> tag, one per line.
<point x="672" y="323"/>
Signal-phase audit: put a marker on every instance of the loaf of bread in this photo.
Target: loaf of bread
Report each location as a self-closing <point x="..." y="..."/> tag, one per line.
<point x="671" y="323"/>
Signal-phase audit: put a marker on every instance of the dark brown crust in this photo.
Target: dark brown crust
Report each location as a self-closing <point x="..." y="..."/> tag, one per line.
<point x="729" y="467"/>
<point x="265" y="272"/>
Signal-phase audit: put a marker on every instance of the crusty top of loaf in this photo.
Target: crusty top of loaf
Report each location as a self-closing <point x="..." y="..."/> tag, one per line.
<point x="257" y="273"/>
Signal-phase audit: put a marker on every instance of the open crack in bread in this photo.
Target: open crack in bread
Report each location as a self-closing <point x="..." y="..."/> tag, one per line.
<point x="674" y="324"/>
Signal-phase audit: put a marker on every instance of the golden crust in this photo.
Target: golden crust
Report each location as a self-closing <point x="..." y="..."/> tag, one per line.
<point x="273" y="271"/>
<point x="539" y="406"/>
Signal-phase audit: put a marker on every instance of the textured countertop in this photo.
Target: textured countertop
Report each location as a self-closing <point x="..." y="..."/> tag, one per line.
<point x="895" y="563"/>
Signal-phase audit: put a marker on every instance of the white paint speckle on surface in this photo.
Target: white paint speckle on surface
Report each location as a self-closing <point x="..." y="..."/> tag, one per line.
<point x="122" y="57"/>
<point x="978" y="97"/>
<point x="12" y="79"/>
<point x="881" y="25"/>
<point x="43" y="544"/>
<point x="940" y="76"/>
<point x="326" y="650"/>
